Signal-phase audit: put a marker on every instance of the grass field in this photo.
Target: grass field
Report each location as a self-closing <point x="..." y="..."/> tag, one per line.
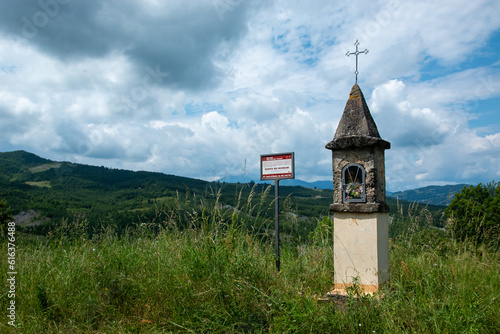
<point x="217" y="277"/>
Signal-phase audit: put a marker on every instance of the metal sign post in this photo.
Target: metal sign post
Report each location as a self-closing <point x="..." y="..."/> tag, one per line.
<point x="277" y="167"/>
<point x="277" y="221"/>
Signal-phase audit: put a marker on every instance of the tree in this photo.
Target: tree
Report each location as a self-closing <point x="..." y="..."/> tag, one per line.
<point x="5" y="216"/>
<point x="474" y="214"/>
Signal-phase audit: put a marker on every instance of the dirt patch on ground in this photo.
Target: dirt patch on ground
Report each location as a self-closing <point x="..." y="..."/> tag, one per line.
<point x="29" y="218"/>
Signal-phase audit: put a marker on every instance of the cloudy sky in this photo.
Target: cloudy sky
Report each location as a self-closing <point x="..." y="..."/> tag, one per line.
<point x="202" y="88"/>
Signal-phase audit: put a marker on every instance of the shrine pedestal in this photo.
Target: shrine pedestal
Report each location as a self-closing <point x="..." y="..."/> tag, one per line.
<point x="361" y="250"/>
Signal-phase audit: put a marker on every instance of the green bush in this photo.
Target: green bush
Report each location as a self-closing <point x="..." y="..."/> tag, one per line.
<point x="474" y="215"/>
<point x="5" y="217"/>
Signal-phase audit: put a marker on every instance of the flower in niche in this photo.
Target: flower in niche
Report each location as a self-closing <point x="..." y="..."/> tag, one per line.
<point x="354" y="191"/>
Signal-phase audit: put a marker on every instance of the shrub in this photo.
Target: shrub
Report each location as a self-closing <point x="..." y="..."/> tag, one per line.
<point x="5" y="217"/>
<point x="474" y="215"/>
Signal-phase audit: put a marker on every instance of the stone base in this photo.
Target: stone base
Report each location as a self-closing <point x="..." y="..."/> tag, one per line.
<point x="340" y="295"/>
<point x="368" y="289"/>
<point x="364" y="288"/>
<point x="361" y="250"/>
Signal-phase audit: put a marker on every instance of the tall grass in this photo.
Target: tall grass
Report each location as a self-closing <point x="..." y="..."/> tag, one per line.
<point x="219" y="277"/>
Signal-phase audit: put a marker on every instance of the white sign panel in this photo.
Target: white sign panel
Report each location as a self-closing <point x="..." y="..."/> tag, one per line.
<point x="277" y="166"/>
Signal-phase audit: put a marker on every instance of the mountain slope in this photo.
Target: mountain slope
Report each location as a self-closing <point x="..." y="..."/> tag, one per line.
<point x="58" y="190"/>
<point x="17" y="162"/>
<point x="435" y="195"/>
<point x="64" y="190"/>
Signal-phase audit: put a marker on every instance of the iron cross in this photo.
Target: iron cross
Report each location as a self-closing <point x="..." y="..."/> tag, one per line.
<point x="356" y="53"/>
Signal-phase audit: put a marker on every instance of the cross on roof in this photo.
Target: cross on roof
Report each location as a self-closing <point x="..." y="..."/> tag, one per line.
<point x="356" y="53"/>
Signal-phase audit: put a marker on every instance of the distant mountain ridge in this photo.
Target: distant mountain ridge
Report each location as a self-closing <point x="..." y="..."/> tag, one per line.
<point x="321" y="184"/>
<point x="31" y="169"/>
<point x="435" y="195"/>
<point x="432" y="195"/>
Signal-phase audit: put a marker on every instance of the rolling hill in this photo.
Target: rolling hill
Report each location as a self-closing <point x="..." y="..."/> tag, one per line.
<point x="435" y="195"/>
<point x="51" y="191"/>
<point x="42" y="193"/>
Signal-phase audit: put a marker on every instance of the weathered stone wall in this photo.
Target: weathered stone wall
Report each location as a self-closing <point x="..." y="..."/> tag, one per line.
<point x="372" y="159"/>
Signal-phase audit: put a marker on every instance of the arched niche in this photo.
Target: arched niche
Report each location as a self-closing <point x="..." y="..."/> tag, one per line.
<point x="353" y="183"/>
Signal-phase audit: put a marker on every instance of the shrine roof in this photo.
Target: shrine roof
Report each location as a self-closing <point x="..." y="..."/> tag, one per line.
<point x="356" y="127"/>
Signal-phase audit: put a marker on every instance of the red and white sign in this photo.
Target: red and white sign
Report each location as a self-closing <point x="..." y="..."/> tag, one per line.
<point x="277" y="166"/>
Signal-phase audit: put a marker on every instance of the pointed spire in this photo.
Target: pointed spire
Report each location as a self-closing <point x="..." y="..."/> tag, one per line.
<point x="356" y="127"/>
<point x="356" y="120"/>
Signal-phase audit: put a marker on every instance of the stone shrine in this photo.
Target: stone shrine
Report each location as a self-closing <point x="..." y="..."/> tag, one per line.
<point x="361" y="219"/>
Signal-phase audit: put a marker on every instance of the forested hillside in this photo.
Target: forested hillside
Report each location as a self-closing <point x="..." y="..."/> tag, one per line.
<point x="436" y="195"/>
<point x="43" y="193"/>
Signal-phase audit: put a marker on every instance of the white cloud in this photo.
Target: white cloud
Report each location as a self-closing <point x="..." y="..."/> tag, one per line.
<point x="404" y="123"/>
<point x="494" y="139"/>
<point x="429" y="145"/>
<point x="198" y="89"/>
